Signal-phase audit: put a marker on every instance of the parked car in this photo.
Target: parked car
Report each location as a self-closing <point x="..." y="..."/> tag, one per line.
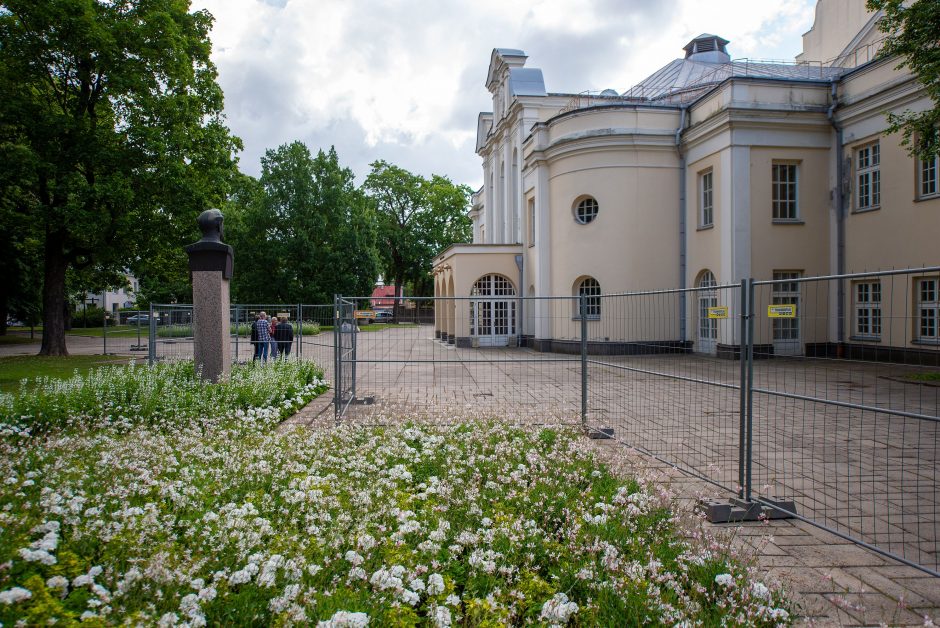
<point x="138" y="318"/>
<point x="383" y="316"/>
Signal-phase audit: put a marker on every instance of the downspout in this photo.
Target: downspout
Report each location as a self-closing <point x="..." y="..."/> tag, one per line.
<point x="520" y="314"/>
<point x="682" y="226"/>
<point x="840" y="218"/>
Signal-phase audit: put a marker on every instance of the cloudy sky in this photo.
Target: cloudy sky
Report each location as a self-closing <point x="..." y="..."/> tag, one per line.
<point x="404" y="80"/>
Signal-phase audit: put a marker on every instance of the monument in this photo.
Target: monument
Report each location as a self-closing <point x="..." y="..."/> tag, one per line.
<point x="210" y="267"/>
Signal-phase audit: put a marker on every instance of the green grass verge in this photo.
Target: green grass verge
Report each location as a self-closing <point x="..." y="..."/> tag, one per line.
<point x="117" y="331"/>
<point x="18" y="339"/>
<point x="924" y="377"/>
<point x="14" y="369"/>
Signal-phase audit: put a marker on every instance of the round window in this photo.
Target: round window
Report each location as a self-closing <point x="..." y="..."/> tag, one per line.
<point x="586" y="210"/>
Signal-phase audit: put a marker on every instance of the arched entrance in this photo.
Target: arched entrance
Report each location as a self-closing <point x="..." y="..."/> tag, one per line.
<point x="707" y="327"/>
<point x="492" y="311"/>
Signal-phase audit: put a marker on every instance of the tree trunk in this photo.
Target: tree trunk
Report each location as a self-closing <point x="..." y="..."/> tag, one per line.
<point x="4" y="311"/>
<point x="53" y="300"/>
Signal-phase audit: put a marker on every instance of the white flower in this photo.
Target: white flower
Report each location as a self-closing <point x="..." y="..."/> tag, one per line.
<point x="354" y="558"/>
<point x="778" y="614"/>
<point x="452" y="600"/>
<point x="759" y="590"/>
<point x="440" y="617"/>
<point x="724" y="579"/>
<point x="37" y="556"/>
<point x="345" y="619"/>
<point x="14" y="595"/>
<point x="410" y="597"/>
<point x="58" y="582"/>
<point x="435" y="584"/>
<point x="417" y="584"/>
<point x="558" y="610"/>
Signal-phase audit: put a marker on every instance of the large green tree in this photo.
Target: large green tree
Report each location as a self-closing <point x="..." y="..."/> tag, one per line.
<point x="301" y="233"/>
<point x="913" y="34"/>
<point x="418" y="218"/>
<point x="112" y="109"/>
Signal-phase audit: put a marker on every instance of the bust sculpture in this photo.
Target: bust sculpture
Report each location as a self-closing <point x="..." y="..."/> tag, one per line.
<point x="210" y="253"/>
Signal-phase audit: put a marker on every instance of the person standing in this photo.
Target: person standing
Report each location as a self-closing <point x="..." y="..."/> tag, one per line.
<point x="264" y="335"/>
<point x="273" y="343"/>
<point x="284" y="335"/>
<point x="254" y="339"/>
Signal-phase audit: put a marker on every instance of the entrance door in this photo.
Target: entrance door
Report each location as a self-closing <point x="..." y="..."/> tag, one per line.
<point x="493" y="315"/>
<point x="707" y="327"/>
<point x="787" y="330"/>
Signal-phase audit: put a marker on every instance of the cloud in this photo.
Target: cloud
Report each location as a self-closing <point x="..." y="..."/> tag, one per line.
<point x="404" y="81"/>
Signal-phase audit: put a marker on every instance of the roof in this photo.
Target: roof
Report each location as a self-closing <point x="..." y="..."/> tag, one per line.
<point x="684" y="79"/>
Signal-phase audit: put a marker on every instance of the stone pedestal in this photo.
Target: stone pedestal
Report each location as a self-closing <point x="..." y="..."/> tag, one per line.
<point x="212" y="348"/>
<point x="210" y="266"/>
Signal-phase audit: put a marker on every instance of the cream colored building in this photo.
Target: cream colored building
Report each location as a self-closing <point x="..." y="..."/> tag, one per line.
<point x="708" y="172"/>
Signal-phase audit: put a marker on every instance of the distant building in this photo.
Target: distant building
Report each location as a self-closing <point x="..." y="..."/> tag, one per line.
<point x="112" y="300"/>
<point x="383" y="297"/>
<point x="709" y="171"/>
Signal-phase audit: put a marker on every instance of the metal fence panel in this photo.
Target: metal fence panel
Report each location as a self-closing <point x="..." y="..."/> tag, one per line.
<point x="664" y="372"/>
<point x="846" y="406"/>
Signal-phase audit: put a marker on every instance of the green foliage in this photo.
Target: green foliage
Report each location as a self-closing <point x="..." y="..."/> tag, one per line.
<point x="418" y="218"/>
<point x="113" y="119"/>
<point x="301" y="233"/>
<point x="911" y="29"/>
<point x="164" y="394"/>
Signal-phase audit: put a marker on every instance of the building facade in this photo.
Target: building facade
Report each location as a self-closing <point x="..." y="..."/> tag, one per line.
<point x="709" y="171"/>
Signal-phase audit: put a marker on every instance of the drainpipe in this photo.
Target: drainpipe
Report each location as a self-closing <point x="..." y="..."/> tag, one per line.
<point x="682" y="225"/>
<point x="840" y="218"/>
<point x="520" y="314"/>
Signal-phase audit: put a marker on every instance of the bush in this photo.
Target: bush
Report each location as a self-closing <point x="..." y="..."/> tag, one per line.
<point x="126" y="396"/>
<point x="92" y="317"/>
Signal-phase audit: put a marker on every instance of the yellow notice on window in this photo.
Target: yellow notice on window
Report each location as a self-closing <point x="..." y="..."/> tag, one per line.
<point x="781" y="311"/>
<point x="718" y="312"/>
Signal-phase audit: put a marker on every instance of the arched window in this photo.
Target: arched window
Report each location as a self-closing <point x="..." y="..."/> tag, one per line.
<point x="707" y="298"/>
<point x="586" y="210"/>
<point x="590" y="290"/>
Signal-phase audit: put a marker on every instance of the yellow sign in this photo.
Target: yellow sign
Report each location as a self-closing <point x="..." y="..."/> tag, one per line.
<point x="781" y="311"/>
<point x="364" y="314"/>
<point x="718" y="312"/>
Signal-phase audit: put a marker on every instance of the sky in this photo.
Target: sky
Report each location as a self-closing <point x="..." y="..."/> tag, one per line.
<point x="403" y="80"/>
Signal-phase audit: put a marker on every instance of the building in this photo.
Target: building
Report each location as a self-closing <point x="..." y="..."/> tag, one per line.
<point x="112" y="300"/>
<point x="709" y="171"/>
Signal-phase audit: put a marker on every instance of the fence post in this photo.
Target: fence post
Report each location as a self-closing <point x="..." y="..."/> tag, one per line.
<point x="152" y="338"/>
<point x="104" y="324"/>
<point x="337" y="376"/>
<point x="742" y="357"/>
<point x="299" y="353"/>
<point x="752" y="313"/>
<point x="582" y="309"/>
<point x="238" y="329"/>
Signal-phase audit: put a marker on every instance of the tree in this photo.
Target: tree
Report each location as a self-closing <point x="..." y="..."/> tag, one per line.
<point x="301" y="233"/>
<point x="418" y="218"/>
<point x="911" y="29"/>
<point x="113" y="110"/>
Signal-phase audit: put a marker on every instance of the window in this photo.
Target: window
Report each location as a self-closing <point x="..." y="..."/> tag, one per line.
<point x="531" y="221"/>
<point x="786" y="292"/>
<point x="928" y="310"/>
<point x="867" y="167"/>
<point x="927" y="175"/>
<point x="586" y="210"/>
<point x="707" y="327"/>
<point x="785" y="201"/>
<point x="707" y="216"/>
<point x="591" y="291"/>
<point x="868" y="309"/>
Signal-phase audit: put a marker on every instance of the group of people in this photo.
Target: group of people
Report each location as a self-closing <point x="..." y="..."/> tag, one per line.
<point x="270" y="335"/>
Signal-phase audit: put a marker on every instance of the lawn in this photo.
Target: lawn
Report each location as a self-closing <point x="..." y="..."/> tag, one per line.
<point x="116" y="331"/>
<point x="13" y="369"/>
<point x="141" y="495"/>
<point x="18" y="339"/>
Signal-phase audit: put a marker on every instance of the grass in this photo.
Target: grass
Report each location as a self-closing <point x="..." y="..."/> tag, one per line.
<point x="929" y="377"/>
<point x="18" y="339"/>
<point x="116" y="331"/>
<point x="14" y="369"/>
<point x="374" y="326"/>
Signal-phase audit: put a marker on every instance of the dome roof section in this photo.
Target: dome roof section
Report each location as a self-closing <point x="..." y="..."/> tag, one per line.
<point x="708" y="48"/>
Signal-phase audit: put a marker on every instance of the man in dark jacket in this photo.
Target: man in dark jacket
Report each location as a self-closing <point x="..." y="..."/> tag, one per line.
<point x="284" y="335"/>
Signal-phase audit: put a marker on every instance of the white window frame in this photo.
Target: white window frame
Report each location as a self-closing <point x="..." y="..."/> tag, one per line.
<point x="706" y="216"/>
<point x="933" y="167"/>
<point x="582" y="204"/>
<point x="590" y="288"/>
<point x="927" y="319"/>
<point x="785" y="192"/>
<point x="531" y="206"/>
<point x="786" y="293"/>
<point x="868" y="177"/>
<point x="868" y="320"/>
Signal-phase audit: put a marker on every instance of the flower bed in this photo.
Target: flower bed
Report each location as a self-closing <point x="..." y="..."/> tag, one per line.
<point x="228" y="521"/>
